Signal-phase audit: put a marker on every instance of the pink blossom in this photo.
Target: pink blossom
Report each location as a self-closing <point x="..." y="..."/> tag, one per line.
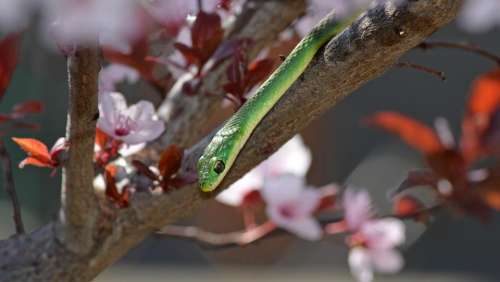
<point x="291" y="205"/>
<point x="15" y="14"/>
<point x="293" y="158"/>
<point x="357" y="208"/>
<point x="373" y="240"/>
<point x="113" y="74"/>
<point x="113" y="22"/>
<point x="480" y="15"/>
<point x="132" y="125"/>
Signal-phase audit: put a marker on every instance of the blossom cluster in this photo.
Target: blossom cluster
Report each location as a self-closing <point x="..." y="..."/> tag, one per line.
<point x="113" y="23"/>
<point x="293" y="205"/>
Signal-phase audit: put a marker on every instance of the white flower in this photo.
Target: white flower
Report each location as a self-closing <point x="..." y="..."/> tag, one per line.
<point x="293" y="158"/>
<point x="132" y="125"/>
<point x="113" y="74"/>
<point x="373" y="240"/>
<point x="480" y="15"/>
<point x="290" y="205"/>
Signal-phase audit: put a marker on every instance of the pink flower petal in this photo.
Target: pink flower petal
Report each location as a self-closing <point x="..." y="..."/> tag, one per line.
<point x="306" y="228"/>
<point x="235" y="193"/>
<point x="146" y="132"/>
<point x="283" y="189"/>
<point x="294" y="158"/>
<point x="479" y="15"/>
<point x="114" y="74"/>
<point x="357" y="208"/>
<point x="387" y="261"/>
<point x="133" y="125"/>
<point x="383" y="233"/>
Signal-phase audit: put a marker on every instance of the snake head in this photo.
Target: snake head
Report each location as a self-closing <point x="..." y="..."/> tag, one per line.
<point x="211" y="171"/>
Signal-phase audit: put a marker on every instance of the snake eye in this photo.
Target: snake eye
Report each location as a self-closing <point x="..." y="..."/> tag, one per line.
<point x="219" y="167"/>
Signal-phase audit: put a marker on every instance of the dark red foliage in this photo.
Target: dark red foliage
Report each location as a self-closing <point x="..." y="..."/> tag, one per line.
<point x="108" y="148"/>
<point x="407" y="206"/>
<point x="29" y="107"/>
<point x="206" y="36"/>
<point x="224" y="4"/>
<point x="169" y="164"/>
<point x="138" y="59"/>
<point x="414" y="133"/>
<point x="450" y="168"/>
<point x="170" y="161"/>
<point x="252" y="199"/>
<point x="242" y="76"/>
<point x="19" y="112"/>
<point x="9" y="51"/>
<point x="481" y="122"/>
<point x="120" y="199"/>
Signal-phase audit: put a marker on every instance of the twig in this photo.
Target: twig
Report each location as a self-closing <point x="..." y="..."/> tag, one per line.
<point x="438" y="74"/>
<point x="219" y="239"/>
<point x="462" y="46"/>
<point x="11" y="188"/>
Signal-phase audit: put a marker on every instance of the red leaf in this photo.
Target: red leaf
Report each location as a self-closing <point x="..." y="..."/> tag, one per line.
<point x="224" y="4"/>
<point x="236" y="73"/>
<point x="252" y="198"/>
<point x="405" y="206"/>
<point x="418" y="178"/>
<point x="489" y="188"/>
<point x="229" y="48"/>
<point x="206" y="34"/>
<point x="34" y="162"/>
<point x="101" y="138"/>
<point x="414" y="133"/>
<point x="28" y="107"/>
<point x="4" y="118"/>
<point x="191" y="55"/>
<point x="258" y="71"/>
<point x="120" y="199"/>
<point x="170" y="161"/>
<point x="35" y="149"/>
<point x="9" y="50"/>
<point x="485" y="99"/>
<point x="137" y="59"/>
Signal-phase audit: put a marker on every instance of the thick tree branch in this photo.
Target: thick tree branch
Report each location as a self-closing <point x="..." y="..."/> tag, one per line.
<point x="361" y="53"/>
<point x="186" y="116"/>
<point x="79" y="205"/>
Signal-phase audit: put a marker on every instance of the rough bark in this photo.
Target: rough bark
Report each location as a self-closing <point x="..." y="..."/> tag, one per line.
<point x="361" y="53"/>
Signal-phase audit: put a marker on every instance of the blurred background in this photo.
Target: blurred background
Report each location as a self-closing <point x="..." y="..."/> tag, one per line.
<point x="344" y="151"/>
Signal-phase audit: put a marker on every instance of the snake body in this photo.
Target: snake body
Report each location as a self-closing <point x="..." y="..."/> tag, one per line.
<point x="221" y="153"/>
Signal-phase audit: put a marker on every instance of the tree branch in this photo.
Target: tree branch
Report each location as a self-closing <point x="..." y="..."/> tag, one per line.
<point x="79" y="203"/>
<point x="361" y="53"/>
<point x="10" y="188"/>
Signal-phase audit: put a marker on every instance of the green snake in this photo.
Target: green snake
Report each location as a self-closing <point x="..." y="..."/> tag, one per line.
<point x="221" y="152"/>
